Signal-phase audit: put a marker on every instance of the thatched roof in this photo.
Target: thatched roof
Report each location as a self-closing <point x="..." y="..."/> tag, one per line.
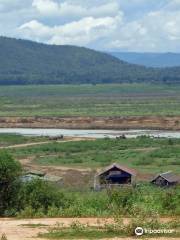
<point x="169" y="176"/>
<point x="119" y="167"/>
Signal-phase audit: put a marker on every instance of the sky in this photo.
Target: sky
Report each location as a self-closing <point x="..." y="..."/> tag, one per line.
<point x="110" y="25"/>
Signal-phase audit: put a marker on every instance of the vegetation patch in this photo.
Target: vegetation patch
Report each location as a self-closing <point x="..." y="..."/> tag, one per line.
<point x="31" y="225"/>
<point x="15" y="139"/>
<point x="40" y="199"/>
<point x="117" y="229"/>
<point x="146" y="155"/>
<point x="90" y="100"/>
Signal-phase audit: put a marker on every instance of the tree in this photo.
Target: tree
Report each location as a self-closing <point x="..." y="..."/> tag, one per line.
<point x="10" y="171"/>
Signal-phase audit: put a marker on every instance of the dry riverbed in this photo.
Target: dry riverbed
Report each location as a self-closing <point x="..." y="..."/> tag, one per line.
<point x="148" y="122"/>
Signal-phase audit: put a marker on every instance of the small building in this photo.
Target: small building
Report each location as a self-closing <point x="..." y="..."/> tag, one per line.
<point x="29" y="177"/>
<point x="166" y="179"/>
<point x="33" y="174"/>
<point x="53" y="179"/>
<point x="114" y="175"/>
<point x="36" y="173"/>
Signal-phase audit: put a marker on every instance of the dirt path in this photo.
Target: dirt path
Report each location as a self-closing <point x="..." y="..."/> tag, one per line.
<point x="46" y="142"/>
<point x="28" y="163"/>
<point x="23" y="229"/>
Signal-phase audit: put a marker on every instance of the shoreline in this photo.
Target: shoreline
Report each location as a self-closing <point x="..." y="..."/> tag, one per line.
<point x="98" y="123"/>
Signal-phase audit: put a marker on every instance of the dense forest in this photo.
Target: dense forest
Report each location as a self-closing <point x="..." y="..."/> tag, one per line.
<point x="26" y="62"/>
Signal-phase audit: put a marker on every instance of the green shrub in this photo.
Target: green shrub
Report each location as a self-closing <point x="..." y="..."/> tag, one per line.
<point x="10" y="171"/>
<point x="40" y="196"/>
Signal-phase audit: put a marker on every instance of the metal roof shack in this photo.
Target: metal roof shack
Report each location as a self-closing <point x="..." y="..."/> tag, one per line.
<point x="36" y="173"/>
<point x="33" y="174"/>
<point x="166" y="179"/>
<point x="114" y="175"/>
<point x="53" y="179"/>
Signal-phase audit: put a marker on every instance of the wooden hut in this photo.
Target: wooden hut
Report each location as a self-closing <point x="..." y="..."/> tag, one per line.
<point x="166" y="179"/>
<point x="114" y="175"/>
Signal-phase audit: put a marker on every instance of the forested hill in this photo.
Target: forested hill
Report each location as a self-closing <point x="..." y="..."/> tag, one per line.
<point x="26" y="62"/>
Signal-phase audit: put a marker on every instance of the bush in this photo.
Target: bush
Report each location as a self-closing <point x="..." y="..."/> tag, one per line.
<point x="39" y="195"/>
<point x="121" y="199"/>
<point x="10" y="171"/>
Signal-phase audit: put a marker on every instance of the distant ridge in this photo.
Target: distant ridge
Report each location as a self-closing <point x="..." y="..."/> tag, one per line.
<point x="27" y="62"/>
<point x="150" y="59"/>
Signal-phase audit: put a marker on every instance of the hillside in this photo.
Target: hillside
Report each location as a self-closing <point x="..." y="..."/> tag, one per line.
<point x="150" y="59"/>
<point x="26" y="62"/>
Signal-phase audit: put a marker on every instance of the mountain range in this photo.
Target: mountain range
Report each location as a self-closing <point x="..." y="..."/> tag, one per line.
<point x="27" y="62"/>
<point x="149" y="59"/>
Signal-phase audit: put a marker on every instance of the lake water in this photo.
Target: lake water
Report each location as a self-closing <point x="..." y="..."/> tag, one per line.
<point x="90" y="133"/>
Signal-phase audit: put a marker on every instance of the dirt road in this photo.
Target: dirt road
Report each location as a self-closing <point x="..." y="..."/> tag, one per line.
<point x="29" y="229"/>
<point x="46" y="142"/>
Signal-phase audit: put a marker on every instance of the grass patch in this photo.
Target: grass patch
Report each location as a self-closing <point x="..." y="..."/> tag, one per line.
<point x="144" y="154"/>
<point x="15" y="139"/>
<point x="117" y="229"/>
<point x="88" y="100"/>
<point x="145" y="199"/>
<point x="31" y="225"/>
<point x="83" y="233"/>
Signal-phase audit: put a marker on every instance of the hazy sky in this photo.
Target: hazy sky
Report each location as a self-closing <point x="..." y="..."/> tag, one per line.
<point x="133" y="25"/>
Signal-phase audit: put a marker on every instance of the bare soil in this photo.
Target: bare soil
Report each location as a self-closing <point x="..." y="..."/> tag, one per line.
<point x="72" y="176"/>
<point x="143" y="122"/>
<point x="24" y="230"/>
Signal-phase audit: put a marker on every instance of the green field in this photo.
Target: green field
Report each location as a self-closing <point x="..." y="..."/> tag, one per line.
<point x="143" y="154"/>
<point x="75" y="198"/>
<point x="90" y="100"/>
<point x="15" y="139"/>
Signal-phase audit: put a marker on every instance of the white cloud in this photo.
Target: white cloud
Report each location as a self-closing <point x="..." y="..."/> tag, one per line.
<point x="80" y="32"/>
<point x="156" y="31"/>
<point x="36" y="31"/>
<point x="46" y="7"/>
<point x="136" y="25"/>
<point x="9" y="5"/>
<point x="51" y="8"/>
